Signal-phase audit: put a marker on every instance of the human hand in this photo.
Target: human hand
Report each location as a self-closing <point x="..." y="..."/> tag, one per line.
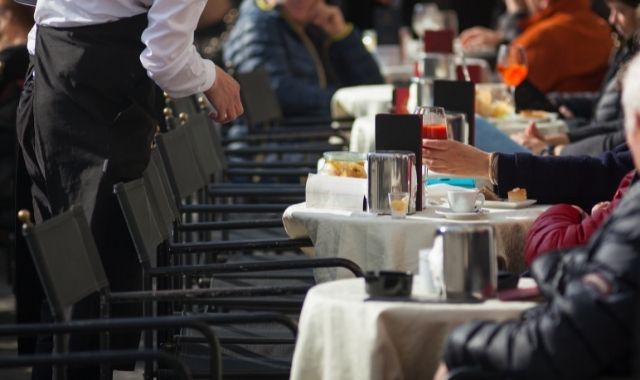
<point x="566" y="112"/>
<point x="329" y="18"/>
<point x="453" y="157"/>
<point x="479" y="37"/>
<point x="531" y="139"/>
<point x="598" y="207"/>
<point x="442" y="372"/>
<point x="224" y="95"/>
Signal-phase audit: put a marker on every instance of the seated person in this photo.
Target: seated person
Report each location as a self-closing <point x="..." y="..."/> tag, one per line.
<point x="481" y="38"/>
<point x="307" y="49"/>
<point x="565" y="226"/>
<point x="567" y="45"/>
<point x="596" y="123"/>
<point x="585" y="328"/>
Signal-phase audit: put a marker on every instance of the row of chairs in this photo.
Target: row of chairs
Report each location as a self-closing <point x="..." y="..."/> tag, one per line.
<point x="172" y="212"/>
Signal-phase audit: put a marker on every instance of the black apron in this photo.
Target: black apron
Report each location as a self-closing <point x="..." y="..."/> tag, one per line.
<point x="86" y="120"/>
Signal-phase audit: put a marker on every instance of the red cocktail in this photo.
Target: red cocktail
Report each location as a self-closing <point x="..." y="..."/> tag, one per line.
<point x="435" y="131"/>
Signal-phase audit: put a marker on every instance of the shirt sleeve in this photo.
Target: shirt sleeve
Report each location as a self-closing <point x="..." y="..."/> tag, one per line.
<point x="170" y="57"/>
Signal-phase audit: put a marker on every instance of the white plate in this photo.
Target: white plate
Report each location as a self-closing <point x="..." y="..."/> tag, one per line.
<point x="507" y="204"/>
<point x="462" y="215"/>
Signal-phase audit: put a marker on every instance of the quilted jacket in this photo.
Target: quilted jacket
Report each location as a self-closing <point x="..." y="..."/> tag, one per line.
<point x="587" y="324"/>
<point x="563" y="226"/>
<point x="265" y="38"/>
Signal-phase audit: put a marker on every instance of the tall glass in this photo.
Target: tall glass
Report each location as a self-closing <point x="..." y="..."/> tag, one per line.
<point x="434" y="126"/>
<point x="511" y="63"/>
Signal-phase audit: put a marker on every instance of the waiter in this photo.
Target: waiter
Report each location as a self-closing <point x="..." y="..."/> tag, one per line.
<point x="86" y="116"/>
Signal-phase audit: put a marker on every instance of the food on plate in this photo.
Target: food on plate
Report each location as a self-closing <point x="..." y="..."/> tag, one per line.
<point x="534" y="114"/>
<point x="489" y="194"/>
<point x="492" y="102"/>
<point x="517" y="195"/>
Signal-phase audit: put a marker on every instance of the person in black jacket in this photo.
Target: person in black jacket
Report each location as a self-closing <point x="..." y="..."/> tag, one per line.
<point x="587" y="324"/>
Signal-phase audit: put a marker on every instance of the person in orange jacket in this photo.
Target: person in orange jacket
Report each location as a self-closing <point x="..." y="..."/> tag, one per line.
<point x="567" y="45"/>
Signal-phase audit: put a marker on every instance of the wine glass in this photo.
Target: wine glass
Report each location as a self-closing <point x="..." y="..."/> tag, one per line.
<point x="434" y="123"/>
<point x="434" y="126"/>
<point x="511" y="63"/>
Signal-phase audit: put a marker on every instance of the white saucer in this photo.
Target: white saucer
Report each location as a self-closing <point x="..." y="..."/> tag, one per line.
<point x="507" y="204"/>
<point x="462" y="215"/>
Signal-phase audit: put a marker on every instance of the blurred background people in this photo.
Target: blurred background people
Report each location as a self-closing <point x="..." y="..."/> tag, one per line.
<point x="214" y="26"/>
<point x="306" y="47"/>
<point x="567" y="45"/>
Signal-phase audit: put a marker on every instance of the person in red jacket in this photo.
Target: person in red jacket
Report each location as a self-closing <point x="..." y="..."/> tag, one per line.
<point x="566" y="226"/>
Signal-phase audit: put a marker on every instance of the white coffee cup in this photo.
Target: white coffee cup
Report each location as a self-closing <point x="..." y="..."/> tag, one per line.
<point x="465" y="200"/>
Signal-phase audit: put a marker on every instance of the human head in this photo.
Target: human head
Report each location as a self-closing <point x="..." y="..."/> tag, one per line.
<point x="631" y="107"/>
<point x="300" y="11"/>
<point x="623" y="16"/>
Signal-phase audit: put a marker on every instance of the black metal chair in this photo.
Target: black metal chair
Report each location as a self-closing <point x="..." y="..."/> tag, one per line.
<point x="65" y="242"/>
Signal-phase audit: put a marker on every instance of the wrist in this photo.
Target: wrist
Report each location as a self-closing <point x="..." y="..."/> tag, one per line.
<point x="493" y="168"/>
<point x="549" y="150"/>
<point x="342" y="32"/>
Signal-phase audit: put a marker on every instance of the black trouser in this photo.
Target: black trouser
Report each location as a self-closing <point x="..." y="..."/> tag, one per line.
<point x="86" y="123"/>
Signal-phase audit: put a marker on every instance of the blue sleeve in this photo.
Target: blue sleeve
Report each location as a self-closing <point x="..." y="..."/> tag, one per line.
<point x="353" y="64"/>
<point x="579" y="180"/>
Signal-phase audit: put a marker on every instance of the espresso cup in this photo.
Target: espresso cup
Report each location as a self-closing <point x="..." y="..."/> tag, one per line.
<point x="465" y="200"/>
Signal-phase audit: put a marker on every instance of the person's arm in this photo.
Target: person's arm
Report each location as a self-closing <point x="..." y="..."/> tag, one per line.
<point x="594" y="145"/>
<point x="352" y="63"/>
<point x="594" y="129"/>
<point x="583" y="330"/>
<point x="580" y="180"/>
<point x="172" y="61"/>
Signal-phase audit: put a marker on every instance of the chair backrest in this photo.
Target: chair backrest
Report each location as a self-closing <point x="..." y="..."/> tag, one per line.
<point x="260" y="102"/>
<point x="159" y="191"/>
<point x="66" y="258"/>
<point x="181" y="163"/>
<point x="209" y="153"/>
<point x="140" y="214"/>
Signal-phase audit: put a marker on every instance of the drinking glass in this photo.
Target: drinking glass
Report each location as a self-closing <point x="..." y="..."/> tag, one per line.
<point x="434" y="126"/>
<point x="434" y="123"/>
<point x="511" y="63"/>
<point x="399" y="204"/>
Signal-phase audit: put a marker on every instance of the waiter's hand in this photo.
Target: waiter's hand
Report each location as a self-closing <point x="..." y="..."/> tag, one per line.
<point x="224" y="95"/>
<point x="442" y="372"/>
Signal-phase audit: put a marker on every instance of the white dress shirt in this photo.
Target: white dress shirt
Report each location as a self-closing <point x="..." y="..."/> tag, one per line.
<point x="170" y="57"/>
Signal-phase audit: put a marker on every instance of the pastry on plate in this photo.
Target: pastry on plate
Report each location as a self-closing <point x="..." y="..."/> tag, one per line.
<point x="517" y="195"/>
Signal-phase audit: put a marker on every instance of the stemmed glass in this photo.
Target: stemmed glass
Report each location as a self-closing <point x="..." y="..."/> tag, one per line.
<point x="434" y="126"/>
<point x="511" y="63"/>
<point x="434" y="123"/>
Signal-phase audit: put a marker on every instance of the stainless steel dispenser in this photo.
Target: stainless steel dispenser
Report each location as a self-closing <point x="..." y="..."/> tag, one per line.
<point x="391" y="171"/>
<point x="469" y="261"/>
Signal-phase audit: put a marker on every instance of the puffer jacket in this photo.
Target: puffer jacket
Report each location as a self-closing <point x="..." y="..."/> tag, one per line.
<point x="587" y="324"/>
<point x="563" y="226"/>
<point x="297" y="60"/>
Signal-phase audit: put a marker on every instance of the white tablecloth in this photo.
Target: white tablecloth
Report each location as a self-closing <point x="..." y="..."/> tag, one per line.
<point x="362" y="100"/>
<point x="343" y="338"/>
<point x="380" y="242"/>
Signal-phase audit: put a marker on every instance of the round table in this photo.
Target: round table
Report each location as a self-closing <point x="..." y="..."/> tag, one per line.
<point x="380" y="242"/>
<point x="342" y="336"/>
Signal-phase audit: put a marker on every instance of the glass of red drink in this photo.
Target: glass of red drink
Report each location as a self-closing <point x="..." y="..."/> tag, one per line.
<point x="511" y="63"/>
<point x="434" y="123"/>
